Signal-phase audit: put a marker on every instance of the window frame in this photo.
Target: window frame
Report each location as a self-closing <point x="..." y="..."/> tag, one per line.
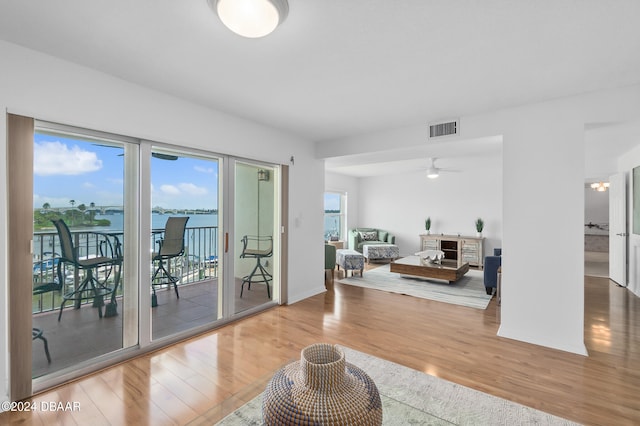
<point x="341" y="215"/>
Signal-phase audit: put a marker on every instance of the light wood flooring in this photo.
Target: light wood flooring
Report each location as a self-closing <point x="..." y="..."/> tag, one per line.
<point x="202" y="379"/>
<point x="596" y="264"/>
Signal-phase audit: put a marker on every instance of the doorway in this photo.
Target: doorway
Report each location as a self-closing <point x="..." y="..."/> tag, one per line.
<point x="596" y="231"/>
<point x="256" y="246"/>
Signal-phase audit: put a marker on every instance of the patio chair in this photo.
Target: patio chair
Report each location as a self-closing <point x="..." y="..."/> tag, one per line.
<point x="257" y="248"/>
<point x="91" y="286"/>
<point x="171" y="246"/>
<point x="37" y="333"/>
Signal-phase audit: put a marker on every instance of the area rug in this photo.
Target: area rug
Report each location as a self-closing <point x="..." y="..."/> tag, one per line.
<point x="467" y="291"/>
<point x="411" y="397"/>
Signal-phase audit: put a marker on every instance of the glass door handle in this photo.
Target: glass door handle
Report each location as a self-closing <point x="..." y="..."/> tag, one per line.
<point x="226" y="242"/>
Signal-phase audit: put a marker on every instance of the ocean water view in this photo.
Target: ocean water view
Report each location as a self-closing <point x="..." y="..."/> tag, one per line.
<point x="157" y="221"/>
<point x="332" y="225"/>
<point x="201" y="236"/>
<point x="200" y="239"/>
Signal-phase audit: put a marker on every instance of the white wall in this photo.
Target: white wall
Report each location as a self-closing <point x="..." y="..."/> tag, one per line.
<point x="596" y="206"/>
<point x="401" y="203"/>
<point x="543" y="291"/>
<point x="47" y="88"/>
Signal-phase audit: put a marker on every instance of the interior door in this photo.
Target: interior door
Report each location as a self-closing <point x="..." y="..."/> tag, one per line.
<point x="618" y="229"/>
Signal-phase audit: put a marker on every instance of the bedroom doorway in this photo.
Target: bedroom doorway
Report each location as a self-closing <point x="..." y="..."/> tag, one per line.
<point x="596" y="231"/>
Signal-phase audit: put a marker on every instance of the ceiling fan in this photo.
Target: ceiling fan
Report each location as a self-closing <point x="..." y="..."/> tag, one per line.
<point x="154" y="154"/>
<point x="432" y="170"/>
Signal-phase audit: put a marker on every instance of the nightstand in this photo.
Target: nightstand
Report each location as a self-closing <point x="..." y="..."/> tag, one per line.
<point x="339" y="245"/>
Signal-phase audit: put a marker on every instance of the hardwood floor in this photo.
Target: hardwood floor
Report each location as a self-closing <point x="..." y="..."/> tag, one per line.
<point x="201" y="380"/>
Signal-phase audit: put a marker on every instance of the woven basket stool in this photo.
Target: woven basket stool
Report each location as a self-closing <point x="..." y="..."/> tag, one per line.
<point x="321" y="389"/>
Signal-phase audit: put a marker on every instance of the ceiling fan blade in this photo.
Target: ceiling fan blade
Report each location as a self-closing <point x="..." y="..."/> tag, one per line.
<point x="160" y="156"/>
<point x="164" y="156"/>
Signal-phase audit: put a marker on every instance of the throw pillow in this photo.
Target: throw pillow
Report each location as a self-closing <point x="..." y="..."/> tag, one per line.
<point x="383" y="235"/>
<point x="369" y="236"/>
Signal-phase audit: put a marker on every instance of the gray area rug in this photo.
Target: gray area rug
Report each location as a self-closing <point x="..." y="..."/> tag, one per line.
<point x="468" y="291"/>
<point x="410" y="397"/>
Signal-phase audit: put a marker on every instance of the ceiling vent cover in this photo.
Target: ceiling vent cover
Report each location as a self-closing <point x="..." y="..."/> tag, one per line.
<point x="447" y="128"/>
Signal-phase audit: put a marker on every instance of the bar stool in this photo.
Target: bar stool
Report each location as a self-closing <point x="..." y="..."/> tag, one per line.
<point x="36" y="333"/>
<point x="257" y="248"/>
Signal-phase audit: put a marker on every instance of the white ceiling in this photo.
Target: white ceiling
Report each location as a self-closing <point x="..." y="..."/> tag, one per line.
<point x="464" y="155"/>
<point x="341" y="68"/>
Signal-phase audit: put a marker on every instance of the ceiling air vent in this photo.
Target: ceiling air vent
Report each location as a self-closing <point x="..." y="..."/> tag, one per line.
<point x="447" y="128"/>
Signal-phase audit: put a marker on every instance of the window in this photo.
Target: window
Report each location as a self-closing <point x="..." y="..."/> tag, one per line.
<point x="334" y="215"/>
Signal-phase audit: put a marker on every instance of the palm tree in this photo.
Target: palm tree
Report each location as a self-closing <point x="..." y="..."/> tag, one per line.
<point x="92" y="212"/>
<point x="82" y="208"/>
<point x="46" y="207"/>
<point x="73" y="203"/>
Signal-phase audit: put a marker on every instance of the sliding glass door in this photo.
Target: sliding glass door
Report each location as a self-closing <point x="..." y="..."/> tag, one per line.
<point x="256" y="224"/>
<point x="83" y="306"/>
<point x="185" y="200"/>
<point x="133" y="244"/>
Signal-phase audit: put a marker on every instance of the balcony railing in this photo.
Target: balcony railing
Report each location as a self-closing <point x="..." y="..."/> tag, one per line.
<point x="198" y="263"/>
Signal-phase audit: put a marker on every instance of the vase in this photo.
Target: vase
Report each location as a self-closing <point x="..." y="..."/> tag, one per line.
<point x="321" y="389"/>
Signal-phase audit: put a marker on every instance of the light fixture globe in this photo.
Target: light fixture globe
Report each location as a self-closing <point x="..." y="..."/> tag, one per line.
<point x="432" y="173"/>
<point x="251" y="18"/>
<point x="600" y="186"/>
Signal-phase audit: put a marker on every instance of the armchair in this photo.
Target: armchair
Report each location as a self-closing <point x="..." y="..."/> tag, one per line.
<point x="329" y="263"/>
<point x="359" y="237"/>
<point x="491" y="265"/>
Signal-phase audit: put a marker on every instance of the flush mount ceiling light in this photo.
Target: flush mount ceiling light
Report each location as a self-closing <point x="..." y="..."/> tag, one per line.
<point x="251" y="18"/>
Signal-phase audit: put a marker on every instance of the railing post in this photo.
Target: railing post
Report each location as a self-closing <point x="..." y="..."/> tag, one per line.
<point x="76" y="271"/>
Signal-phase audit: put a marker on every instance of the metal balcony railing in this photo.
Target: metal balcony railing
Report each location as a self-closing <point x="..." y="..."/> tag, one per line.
<point x="199" y="262"/>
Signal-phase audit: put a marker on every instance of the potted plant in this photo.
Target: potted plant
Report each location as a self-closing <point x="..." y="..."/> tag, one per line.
<point x="427" y="225"/>
<point x="479" y="227"/>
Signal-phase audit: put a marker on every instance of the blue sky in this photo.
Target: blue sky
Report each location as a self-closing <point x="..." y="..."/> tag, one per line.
<point x="71" y="169"/>
<point x="331" y="201"/>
